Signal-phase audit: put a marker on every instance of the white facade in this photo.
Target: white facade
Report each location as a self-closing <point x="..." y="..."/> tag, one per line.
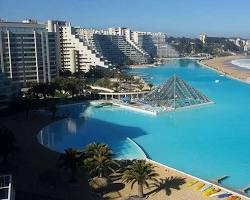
<point x="83" y="48"/>
<point x="238" y="42"/>
<point x="203" y="38"/>
<point x="28" y="52"/>
<point x="247" y="46"/>
<point x="76" y="53"/>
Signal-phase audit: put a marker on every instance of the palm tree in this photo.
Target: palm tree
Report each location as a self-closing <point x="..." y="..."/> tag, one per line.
<point x="42" y="88"/>
<point x="97" y="148"/>
<point x="70" y="159"/>
<point x="99" y="158"/>
<point x="7" y="143"/>
<point x="139" y="172"/>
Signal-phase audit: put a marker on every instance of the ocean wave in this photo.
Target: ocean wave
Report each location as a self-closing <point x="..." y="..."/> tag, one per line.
<point x="244" y="63"/>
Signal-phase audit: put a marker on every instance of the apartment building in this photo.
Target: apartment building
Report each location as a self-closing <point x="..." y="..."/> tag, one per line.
<point x="28" y="52"/>
<point x="82" y="49"/>
<point x="145" y="41"/>
<point x="163" y="49"/>
<point x="119" y="51"/>
<point x="76" y="51"/>
<point x="203" y="38"/>
<point x="247" y="46"/>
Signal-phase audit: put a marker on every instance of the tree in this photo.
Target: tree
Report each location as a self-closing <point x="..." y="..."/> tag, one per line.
<point x="51" y="89"/>
<point x="65" y="73"/>
<point x="74" y="86"/>
<point x="44" y="89"/>
<point x="150" y="85"/>
<point x="104" y="82"/>
<point x="70" y="159"/>
<point x="79" y="74"/>
<point x="60" y="84"/>
<point x="27" y="101"/>
<point x="95" y="73"/>
<point x="99" y="159"/>
<point x="7" y="143"/>
<point x="66" y="86"/>
<point x="139" y="172"/>
<point x="116" y="85"/>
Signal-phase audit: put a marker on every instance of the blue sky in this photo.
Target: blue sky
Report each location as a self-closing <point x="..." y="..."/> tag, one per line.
<point x="175" y="17"/>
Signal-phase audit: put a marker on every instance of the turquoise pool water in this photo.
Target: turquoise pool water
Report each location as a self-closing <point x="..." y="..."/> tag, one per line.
<point x="208" y="142"/>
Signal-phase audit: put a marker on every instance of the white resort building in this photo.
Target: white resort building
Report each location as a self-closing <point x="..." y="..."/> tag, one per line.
<point x="76" y="54"/>
<point x="83" y="48"/>
<point x="28" y="52"/>
<point x="35" y="52"/>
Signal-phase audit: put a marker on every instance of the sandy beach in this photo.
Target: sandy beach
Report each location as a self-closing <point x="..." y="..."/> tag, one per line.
<point x="224" y="65"/>
<point x="172" y="186"/>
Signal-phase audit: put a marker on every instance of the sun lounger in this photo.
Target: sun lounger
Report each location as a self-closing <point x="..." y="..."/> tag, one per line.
<point x="191" y="183"/>
<point x="234" y="197"/>
<point x="206" y="187"/>
<point x="205" y="192"/>
<point x="213" y="191"/>
<point x="218" y="193"/>
<point x="224" y="195"/>
<point x="199" y="185"/>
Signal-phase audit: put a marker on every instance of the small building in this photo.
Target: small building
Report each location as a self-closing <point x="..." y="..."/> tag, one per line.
<point x="203" y="38"/>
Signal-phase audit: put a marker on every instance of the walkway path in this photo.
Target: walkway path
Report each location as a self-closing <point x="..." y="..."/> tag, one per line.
<point x="34" y="167"/>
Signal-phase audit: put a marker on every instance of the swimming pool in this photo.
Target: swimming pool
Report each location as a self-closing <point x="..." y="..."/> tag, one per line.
<point x="207" y="142"/>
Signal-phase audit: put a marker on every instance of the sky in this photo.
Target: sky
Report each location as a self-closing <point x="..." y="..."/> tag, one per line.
<point x="189" y="18"/>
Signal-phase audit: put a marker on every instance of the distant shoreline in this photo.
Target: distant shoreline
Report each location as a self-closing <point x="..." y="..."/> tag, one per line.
<point x="156" y="65"/>
<point x="223" y="65"/>
<point x="141" y="66"/>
